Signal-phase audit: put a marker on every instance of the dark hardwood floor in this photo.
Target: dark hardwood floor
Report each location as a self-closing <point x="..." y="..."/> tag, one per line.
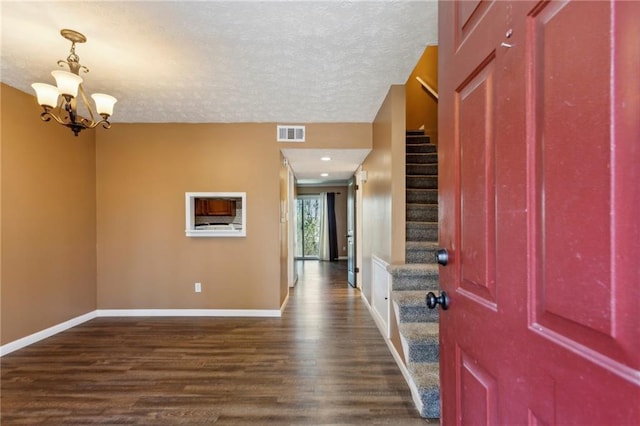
<point x="324" y="362"/>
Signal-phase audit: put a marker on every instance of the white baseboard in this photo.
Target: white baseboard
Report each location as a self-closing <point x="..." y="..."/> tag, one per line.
<point x="41" y="335"/>
<point x="48" y="332"/>
<point x="188" y="313"/>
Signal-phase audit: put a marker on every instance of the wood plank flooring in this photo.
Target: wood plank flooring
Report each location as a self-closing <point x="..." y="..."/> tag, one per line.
<point x="323" y="363"/>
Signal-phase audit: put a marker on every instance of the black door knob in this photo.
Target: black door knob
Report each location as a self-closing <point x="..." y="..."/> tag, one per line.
<point x="442" y="257"/>
<point x="433" y="300"/>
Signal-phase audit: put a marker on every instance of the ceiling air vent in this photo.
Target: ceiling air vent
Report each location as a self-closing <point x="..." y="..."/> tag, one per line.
<point x="290" y="133"/>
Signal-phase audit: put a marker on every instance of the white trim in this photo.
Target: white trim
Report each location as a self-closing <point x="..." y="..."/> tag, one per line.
<point x="415" y="394"/>
<point x="284" y="303"/>
<point x="43" y="334"/>
<point x="189" y="313"/>
<point x="101" y="313"/>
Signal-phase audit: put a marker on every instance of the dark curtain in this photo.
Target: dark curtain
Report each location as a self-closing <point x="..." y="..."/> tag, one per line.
<point x="333" y="233"/>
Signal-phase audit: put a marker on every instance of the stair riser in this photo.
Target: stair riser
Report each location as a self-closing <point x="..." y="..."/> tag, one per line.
<point x="422" y="182"/>
<point x="424" y="351"/>
<point x="422" y="196"/>
<point x="420" y="254"/>
<point x="422" y="213"/>
<point x="430" y="404"/>
<point x="422" y="169"/>
<point x="418" y="138"/>
<point x="420" y="232"/>
<point x="422" y="158"/>
<point x="417" y="314"/>
<point x="422" y="148"/>
<point x="426" y="283"/>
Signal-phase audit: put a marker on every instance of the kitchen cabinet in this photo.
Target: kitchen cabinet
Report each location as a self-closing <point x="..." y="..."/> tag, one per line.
<point x="215" y="214"/>
<point x="215" y="207"/>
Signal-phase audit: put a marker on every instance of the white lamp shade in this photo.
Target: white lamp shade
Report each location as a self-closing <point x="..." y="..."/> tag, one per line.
<point x="104" y="103"/>
<point x="67" y="82"/>
<point x="46" y="93"/>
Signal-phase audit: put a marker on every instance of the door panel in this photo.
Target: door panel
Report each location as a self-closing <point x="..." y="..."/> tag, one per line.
<point x="474" y="110"/>
<point x="575" y="224"/>
<point x="539" y="206"/>
<point x="478" y="392"/>
<point x="467" y="15"/>
<point x="568" y="148"/>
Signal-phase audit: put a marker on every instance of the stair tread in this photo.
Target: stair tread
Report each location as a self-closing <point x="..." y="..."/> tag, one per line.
<point x="422" y="331"/>
<point x="421" y="244"/>
<point x="409" y="297"/>
<point x="412" y="269"/>
<point x="425" y="375"/>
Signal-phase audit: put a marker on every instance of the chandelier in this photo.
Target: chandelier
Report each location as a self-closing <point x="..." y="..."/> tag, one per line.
<point x="60" y="102"/>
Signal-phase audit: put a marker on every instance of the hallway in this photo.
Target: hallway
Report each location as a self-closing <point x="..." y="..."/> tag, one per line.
<point x="323" y="362"/>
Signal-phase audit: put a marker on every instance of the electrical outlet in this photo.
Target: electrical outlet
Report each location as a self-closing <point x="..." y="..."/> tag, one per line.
<point x="198" y="288"/>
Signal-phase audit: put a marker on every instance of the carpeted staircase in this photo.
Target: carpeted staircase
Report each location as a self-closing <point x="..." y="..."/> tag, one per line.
<point x="418" y="326"/>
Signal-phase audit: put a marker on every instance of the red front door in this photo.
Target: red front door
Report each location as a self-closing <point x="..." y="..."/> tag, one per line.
<point x="540" y="209"/>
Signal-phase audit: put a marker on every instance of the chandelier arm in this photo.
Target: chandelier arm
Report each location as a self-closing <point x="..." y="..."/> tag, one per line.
<point x="86" y="103"/>
<point x="93" y="124"/>
<point x="48" y="114"/>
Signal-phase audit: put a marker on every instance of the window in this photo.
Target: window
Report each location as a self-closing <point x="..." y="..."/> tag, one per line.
<point x="308" y="216"/>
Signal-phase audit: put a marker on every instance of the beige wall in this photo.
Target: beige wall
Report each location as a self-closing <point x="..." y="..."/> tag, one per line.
<point x="384" y="192"/>
<point x="341" y="211"/>
<point x="333" y="135"/>
<point x="422" y="108"/>
<point x="145" y="261"/>
<point x="48" y="257"/>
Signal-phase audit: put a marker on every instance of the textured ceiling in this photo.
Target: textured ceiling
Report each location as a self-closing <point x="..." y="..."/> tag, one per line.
<point x="225" y="61"/>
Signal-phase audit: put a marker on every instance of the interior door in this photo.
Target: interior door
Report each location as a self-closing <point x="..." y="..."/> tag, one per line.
<point x="539" y="204"/>
<point x="351" y="232"/>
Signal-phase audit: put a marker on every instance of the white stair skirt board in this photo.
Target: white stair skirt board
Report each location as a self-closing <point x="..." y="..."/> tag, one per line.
<point x="102" y="313"/>
<point x="380" y="294"/>
<point x="415" y="393"/>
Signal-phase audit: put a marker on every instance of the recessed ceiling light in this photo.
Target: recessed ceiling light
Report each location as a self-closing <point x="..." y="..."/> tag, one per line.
<point x="324" y="174"/>
<point x="325" y="158"/>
